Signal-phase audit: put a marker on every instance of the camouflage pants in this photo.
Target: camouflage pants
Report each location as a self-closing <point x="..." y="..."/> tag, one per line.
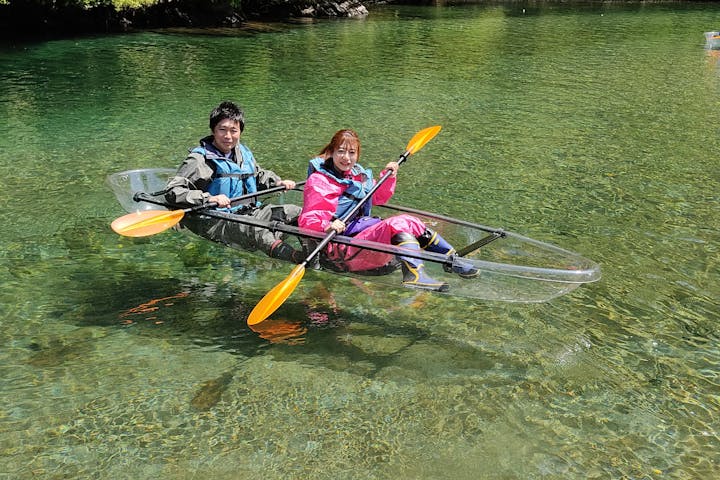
<point x="240" y="236"/>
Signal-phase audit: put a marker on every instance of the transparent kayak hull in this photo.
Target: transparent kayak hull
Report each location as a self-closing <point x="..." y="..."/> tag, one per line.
<point x="712" y="40"/>
<point x="147" y="180"/>
<point x="513" y="268"/>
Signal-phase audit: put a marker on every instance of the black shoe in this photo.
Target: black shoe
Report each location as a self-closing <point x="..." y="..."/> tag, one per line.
<point x="283" y="251"/>
<point x="462" y="268"/>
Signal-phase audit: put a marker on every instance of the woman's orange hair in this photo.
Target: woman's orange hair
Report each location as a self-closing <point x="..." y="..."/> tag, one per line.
<point x="345" y="135"/>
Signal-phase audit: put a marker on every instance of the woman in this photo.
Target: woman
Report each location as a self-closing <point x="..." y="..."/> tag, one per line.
<point x="335" y="184"/>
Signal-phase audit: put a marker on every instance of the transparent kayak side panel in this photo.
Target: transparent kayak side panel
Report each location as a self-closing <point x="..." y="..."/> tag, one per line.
<point x="712" y="40"/>
<point x="507" y="253"/>
<point x="148" y="180"/>
<point x="513" y="268"/>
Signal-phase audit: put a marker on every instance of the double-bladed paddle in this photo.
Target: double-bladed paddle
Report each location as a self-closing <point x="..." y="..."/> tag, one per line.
<point x="275" y="297"/>
<point x="150" y="222"/>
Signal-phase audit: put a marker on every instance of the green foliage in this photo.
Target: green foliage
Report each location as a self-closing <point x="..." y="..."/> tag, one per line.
<point x="120" y="4"/>
<point x="123" y="4"/>
<point x="116" y="4"/>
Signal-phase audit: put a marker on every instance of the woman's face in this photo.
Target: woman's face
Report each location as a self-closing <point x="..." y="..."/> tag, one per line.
<point x="345" y="156"/>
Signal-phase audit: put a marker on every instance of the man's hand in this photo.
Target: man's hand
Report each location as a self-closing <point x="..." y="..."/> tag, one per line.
<point x="289" y="184"/>
<point x="222" y="200"/>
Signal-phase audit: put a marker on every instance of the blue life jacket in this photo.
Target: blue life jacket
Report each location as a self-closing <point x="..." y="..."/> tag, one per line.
<point x="354" y="190"/>
<point x="229" y="177"/>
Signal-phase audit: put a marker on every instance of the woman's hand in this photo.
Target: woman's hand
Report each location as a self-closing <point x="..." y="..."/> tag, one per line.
<point x="289" y="184"/>
<point x="222" y="200"/>
<point x="393" y="167"/>
<point x="337" y="225"/>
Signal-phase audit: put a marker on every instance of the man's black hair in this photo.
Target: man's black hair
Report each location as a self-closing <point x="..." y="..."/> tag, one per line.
<point x="227" y="110"/>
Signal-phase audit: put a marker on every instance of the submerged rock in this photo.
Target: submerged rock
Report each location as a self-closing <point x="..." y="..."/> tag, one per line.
<point x="57" y="350"/>
<point x="210" y="392"/>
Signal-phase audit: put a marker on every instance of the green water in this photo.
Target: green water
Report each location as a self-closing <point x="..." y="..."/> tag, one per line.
<point x="593" y="128"/>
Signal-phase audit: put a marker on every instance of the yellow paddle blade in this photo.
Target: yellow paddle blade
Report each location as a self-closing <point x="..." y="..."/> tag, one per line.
<point x="280" y="330"/>
<point x="422" y="137"/>
<point x="147" y="222"/>
<point x="275" y="297"/>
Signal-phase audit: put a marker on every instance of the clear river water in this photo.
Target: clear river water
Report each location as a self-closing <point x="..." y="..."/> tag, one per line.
<point x="593" y="127"/>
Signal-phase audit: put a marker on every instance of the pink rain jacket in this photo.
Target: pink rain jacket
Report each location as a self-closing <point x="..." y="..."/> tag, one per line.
<point x="320" y="201"/>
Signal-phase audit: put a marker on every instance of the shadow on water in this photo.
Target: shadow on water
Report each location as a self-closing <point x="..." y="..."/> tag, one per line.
<point x="135" y="288"/>
<point x="309" y="330"/>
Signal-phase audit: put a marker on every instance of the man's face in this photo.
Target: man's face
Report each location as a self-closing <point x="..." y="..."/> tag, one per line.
<point x="226" y="135"/>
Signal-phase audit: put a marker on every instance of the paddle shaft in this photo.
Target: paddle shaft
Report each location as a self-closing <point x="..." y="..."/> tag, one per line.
<point x="328" y="238"/>
<point x="144" y="197"/>
<point x="343" y="240"/>
<point x="274" y="298"/>
<point x="149" y="222"/>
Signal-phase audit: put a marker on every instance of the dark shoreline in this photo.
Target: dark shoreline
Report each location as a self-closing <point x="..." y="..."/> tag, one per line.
<point x="24" y="21"/>
<point x="21" y="21"/>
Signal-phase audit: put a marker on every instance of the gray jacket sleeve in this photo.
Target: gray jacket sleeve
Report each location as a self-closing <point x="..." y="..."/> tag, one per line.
<point x="266" y="178"/>
<point x="188" y="185"/>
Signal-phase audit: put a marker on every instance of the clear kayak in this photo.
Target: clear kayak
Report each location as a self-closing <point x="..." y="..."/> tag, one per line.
<point x="712" y="40"/>
<point x="513" y="268"/>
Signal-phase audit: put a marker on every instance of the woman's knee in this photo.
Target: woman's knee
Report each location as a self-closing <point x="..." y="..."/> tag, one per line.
<point x="406" y="223"/>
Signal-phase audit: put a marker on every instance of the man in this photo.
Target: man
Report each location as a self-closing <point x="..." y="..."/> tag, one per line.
<point x="221" y="168"/>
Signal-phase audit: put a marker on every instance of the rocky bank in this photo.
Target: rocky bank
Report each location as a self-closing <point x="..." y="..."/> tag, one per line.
<point x="27" y="19"/>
